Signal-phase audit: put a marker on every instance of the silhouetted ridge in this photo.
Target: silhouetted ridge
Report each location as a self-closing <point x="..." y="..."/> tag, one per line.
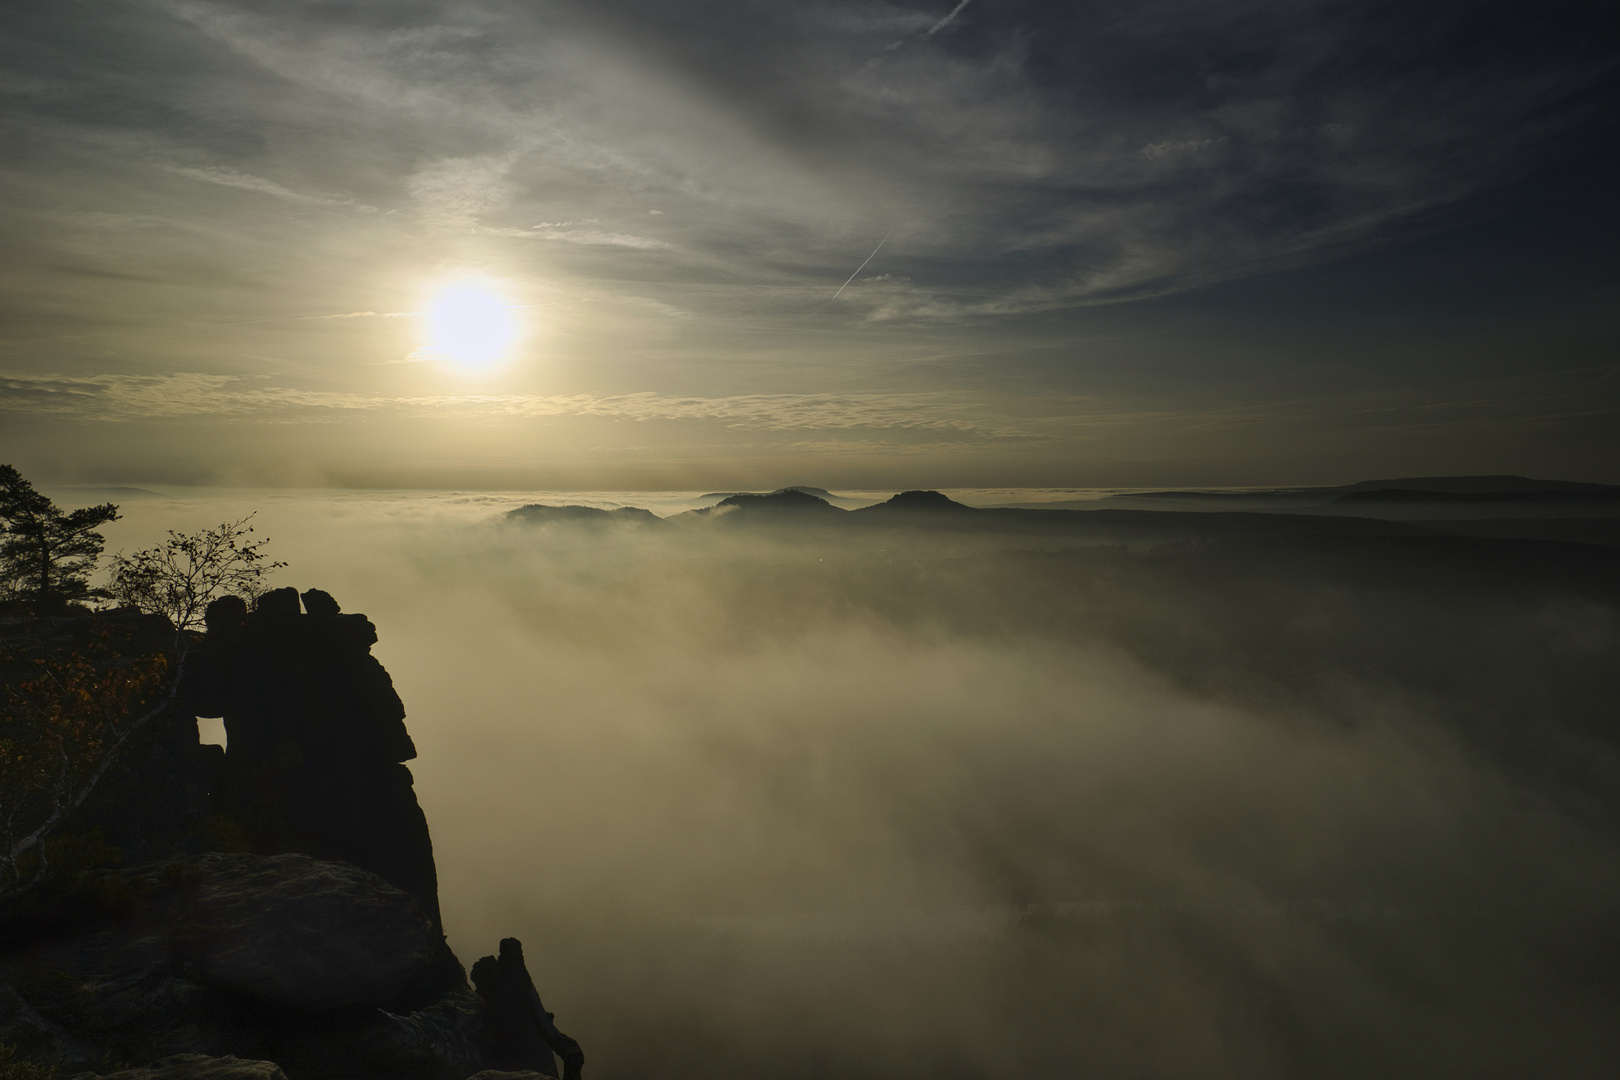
<point x="923" y="502"/>
<point x="1597" y="493"/>
<point x="1479" y="488"/>
<point x="820" y="493"/>
<point x="788" y="500"/>
<point x="541" y="514"/>
<point x="843" y="502"/>
<point x="1477" y="485"/>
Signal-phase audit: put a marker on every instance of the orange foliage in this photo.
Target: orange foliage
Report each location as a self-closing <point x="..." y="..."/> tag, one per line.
<point x="61" y="724"/>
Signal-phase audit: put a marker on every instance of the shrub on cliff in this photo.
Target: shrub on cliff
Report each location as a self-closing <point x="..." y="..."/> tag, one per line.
<point x="65" y="713"/>
<point x="70" y="704"/>
<point x="179" y="577"/>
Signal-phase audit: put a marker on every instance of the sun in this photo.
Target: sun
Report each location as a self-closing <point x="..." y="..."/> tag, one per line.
<point x="469" y="323"/>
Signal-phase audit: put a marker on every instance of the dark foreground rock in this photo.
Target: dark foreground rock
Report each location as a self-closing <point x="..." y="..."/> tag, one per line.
<point x="518" y="1031"/>
<point x="310" y="947"/>
<point x="198" y="1067"/>
<point x="319" y="966"/>
<point x="299" y="933"/>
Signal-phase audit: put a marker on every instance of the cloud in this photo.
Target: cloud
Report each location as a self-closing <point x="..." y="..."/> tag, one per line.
<point x="190" y="394"/>
<point x="1184" y="146"/>
<point x="585" y="237"/>
<point x="231" y="178"/>
<point x="455" y="193"/>
<point x="183" y="394"/>
<point x="1078" y="155"/>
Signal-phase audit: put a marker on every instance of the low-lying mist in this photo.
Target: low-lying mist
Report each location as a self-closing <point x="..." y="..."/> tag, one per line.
<point x="796" y="802"/>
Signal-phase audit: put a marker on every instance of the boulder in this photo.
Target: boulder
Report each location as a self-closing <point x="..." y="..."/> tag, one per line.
<point x="299" y="933"/>
<point x="287" y="931"/>
<point x="284" y="958"/>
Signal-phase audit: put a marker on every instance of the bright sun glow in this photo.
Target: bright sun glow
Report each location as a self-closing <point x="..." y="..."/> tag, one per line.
<point x="471" y="324"/>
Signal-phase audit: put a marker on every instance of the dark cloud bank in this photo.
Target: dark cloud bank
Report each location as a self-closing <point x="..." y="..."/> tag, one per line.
<point x="952" y="794"/>
<point x="1026" y="155"/>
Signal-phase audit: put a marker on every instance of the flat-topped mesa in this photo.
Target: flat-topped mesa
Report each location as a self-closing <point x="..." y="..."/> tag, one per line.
<point x="315" y="737"/>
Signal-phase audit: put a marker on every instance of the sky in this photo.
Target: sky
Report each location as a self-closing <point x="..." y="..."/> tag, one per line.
<point x="747" y="243"/>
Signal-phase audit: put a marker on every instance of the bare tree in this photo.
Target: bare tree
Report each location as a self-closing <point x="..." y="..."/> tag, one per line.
<point x="178" y="578"/>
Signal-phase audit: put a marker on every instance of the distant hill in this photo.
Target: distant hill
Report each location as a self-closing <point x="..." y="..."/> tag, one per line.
<point x="1407" y="498"/>
<point x="916" y="502"/>
<point x="541" y="514"/>
<point x="1477" y="485"/>
<point x="1586" y="493"/>
<point x="1501" y="507"/>
<point x="842" y="501"/>
<point x="789" y="504"/>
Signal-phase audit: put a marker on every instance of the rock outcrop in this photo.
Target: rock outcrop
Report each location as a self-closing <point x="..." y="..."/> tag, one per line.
<point x="310" y="947"/>
<point x="519" y="1033"/>
<point x="282" y="957"/>
<point x="315" y="737"/>
<point x="298" y="933"/>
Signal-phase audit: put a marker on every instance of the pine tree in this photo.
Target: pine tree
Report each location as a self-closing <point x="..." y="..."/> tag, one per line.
<point x="46" y="555"/>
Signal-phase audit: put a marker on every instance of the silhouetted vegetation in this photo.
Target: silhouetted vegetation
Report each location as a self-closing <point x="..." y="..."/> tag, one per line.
<point x="178" y="578"/>
<point x="68" y="709"/>
<point x="75" y="692"/>
<point x="46" y="555"/>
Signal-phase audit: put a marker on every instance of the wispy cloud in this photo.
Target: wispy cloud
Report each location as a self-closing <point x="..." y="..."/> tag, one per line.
<point x="585" y="237"/>
<point x="231" y="178"/>
<point x="135" y="397"/>
<point x="455" y="193"/>
<point x="1082" y="155"/>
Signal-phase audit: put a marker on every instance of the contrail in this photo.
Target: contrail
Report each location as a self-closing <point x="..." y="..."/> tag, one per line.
<point x="955" y="11"/>
<point x="926" y="34"/>
<point x="872" y="256"/>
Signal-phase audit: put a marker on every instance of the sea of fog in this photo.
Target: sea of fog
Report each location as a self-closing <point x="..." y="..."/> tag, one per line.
<point x="789" y="804"/>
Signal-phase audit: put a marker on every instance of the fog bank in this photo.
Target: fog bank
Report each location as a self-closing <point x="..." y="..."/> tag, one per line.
<point x="794" y="801"/>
